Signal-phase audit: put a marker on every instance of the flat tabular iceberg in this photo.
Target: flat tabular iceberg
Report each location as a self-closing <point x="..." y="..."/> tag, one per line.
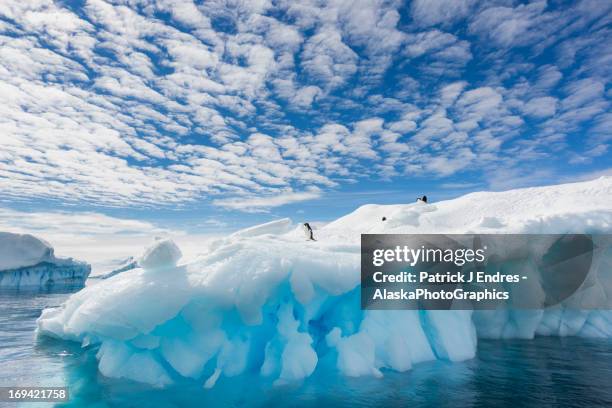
<point x="267" y="301"/>
<point x="29" y="262"/>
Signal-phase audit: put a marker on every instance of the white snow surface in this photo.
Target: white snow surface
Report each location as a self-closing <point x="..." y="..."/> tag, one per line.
<point x="162" y="254"/>
<point x="19" y="250"/>
<point x="28" y="261"/>
<point x="266" y="300"/>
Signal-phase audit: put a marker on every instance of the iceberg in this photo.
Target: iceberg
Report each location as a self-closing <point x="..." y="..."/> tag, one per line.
<point x="163" y="254"/>
<point x="29" y="262"/>
<point x="120" y="266"/>
<point x="265" y="300"/>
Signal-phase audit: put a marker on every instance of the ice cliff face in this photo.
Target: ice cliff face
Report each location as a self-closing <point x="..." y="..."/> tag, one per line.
<point x="29" y="262"/>
<point x="266" y="300"/>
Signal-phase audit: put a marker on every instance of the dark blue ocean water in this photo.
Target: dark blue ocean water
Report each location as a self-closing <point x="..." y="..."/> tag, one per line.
<point x="545" y="372"/>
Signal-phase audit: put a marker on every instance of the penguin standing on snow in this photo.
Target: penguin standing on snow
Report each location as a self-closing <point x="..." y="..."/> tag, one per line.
<point x="308" y="231"/>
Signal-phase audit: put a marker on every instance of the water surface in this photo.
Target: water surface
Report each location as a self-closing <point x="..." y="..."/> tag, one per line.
<point x="545" y="372"/>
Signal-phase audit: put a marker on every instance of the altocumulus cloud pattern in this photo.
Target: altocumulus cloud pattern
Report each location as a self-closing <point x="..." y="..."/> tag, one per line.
<point x="257" y="104"/>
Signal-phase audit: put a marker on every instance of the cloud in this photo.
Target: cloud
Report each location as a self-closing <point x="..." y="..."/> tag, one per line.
<point x="459" y="186"/>
<point x="431" y="12"/>
<point x="102" y="240"/>
<point x="541" y="107"/>
<point x="511" y="26"/>
<point x="94" y="237"/>
<point x="587" y="155"/>
<point x="447" y="165"/>
<point x="508" y="178"/>
<point x="74" y="223"/>
<point x="172" y="103"/>
<point x="592" y="175"/>
<point x="582" y="92"/>
<point x="443" y="53"/>
<point x="327" y="60"/>
<point x="450" y="93"/>
<point x="478" y="102"/>
<point x="264" y="203"/>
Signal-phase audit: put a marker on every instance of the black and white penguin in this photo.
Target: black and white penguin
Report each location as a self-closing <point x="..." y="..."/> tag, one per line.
<point x="308" y="231"/>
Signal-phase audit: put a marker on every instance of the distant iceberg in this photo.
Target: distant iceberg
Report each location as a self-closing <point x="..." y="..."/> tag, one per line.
<point x="163" y="252"/>
<point x="29" y="262"/>
<point x="119" y="266"/>
<point x="265" y="300"/>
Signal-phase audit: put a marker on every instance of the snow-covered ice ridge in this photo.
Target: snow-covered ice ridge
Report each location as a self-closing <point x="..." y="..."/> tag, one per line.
<point x="120" y="266"/>
<point x="265" y="300"/>
<point x="29" y="262"/>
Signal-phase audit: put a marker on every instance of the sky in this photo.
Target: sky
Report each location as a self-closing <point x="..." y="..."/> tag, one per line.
<point x="138" y="118"/>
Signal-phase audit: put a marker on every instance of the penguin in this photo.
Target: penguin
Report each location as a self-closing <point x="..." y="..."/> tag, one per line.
<point x="384" y="218"/>
<point x="308" y="231"/>
<point x="423" y="199"/>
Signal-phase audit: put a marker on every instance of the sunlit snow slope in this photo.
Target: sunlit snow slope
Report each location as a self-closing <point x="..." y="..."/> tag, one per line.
<point x="265" y="300"/>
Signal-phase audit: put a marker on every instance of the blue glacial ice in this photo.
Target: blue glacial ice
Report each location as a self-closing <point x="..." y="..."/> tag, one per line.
<point x="29" y="262"/>
<point x="265" y="300"/>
